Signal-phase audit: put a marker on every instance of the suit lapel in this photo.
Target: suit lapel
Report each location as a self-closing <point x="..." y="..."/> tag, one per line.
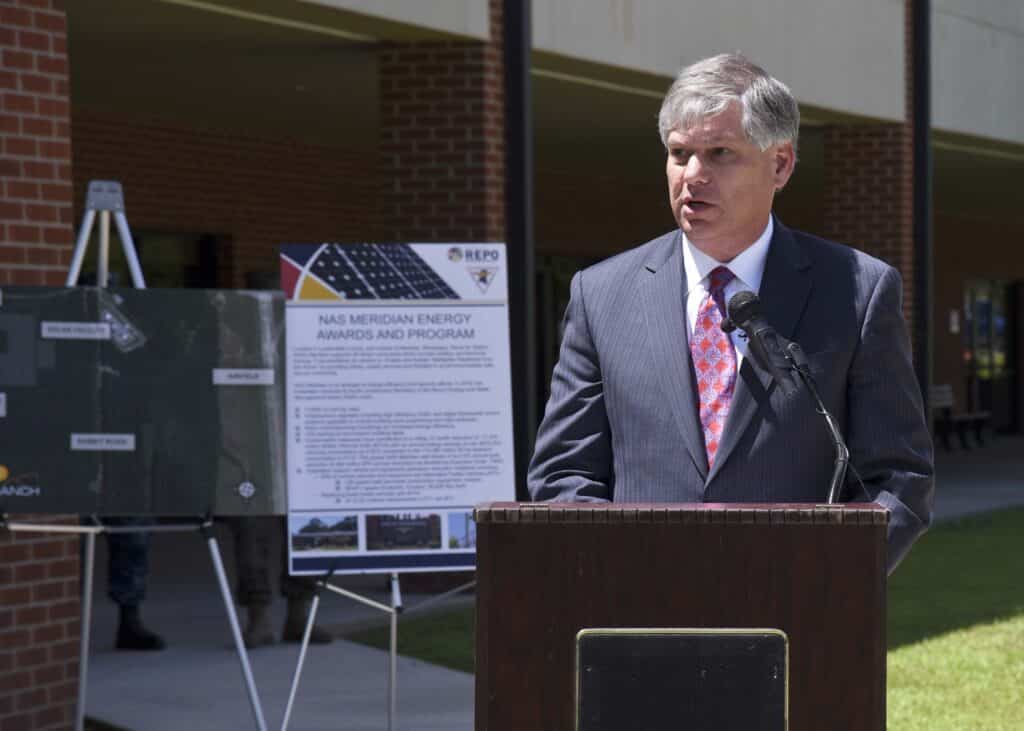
<point x="785" y="287"/>
<point x="663" y="287"/>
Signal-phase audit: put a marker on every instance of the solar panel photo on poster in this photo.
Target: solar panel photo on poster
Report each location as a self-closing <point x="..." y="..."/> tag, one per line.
<point x="383" y="279"/>
<point x="333" y="268"/>
<point x="378" y="271"/>
<point x="417" y="272"/>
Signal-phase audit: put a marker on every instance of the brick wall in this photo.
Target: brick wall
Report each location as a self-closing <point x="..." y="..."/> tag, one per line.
<point x="35" y="144"/>
<point x="442" y="139"/>
<point x="255" y="193"/>
<point x="869" y="183"/>
<point x="39" y="630"/>
<point x="39" y="590"/>
<point x="868" y="197"/>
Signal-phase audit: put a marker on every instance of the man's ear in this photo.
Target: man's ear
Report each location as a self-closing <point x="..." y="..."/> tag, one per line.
<point x="784" y="161"/>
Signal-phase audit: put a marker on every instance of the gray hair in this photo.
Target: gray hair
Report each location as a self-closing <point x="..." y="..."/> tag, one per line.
<point x="703" y="89"/>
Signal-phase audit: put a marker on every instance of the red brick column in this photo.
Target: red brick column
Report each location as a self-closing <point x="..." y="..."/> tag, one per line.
<point x="39" y="630"/>
<point x="869" y="183"/>
<point x="869" y="194"/>
<point x="35" y="144"/>
<point x="442" y="139"/>
<point x="39" y="585"/>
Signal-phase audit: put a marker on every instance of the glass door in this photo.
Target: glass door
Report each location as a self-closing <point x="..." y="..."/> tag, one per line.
<point x="990" y="351"/>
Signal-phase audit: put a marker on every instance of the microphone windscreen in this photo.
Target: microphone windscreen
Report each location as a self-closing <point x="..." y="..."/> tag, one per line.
<point x="743" y="307"/>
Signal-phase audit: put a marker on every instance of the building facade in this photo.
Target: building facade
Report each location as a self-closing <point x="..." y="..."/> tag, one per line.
<point x="238" y="125"/>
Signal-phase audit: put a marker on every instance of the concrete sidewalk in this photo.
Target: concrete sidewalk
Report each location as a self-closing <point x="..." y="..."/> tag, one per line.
<point x="197" y="684"/>
<point x="981" y="480"/>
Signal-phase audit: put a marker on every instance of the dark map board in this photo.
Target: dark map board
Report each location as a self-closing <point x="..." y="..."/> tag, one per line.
<point x="110" y="404"/>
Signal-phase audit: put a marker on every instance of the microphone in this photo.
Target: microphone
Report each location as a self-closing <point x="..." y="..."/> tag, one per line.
<point x="767" y="347"/>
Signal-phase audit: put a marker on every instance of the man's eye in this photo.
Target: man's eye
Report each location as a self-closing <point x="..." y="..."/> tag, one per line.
<point x="720" y="152"/>
<point x="679" y="153"/>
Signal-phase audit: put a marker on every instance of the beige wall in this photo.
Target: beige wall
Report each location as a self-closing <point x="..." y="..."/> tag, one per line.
<point x="840" y="55"/>
<point x="460" y="17"/>
<point x="978" y="68"/>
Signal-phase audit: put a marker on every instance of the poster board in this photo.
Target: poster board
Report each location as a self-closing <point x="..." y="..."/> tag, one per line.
<point x="162" y="402"/>
<point x="399" y="403"/>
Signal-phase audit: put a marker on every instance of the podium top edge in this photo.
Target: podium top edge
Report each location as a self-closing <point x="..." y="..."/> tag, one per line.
<point x="690" y="513"/>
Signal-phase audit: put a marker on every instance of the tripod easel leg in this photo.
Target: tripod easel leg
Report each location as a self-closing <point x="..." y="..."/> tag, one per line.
<point x="229" y="605"/>
<point x="83" y="639"/>
<point x="396" y="607"/>
<point x="302" y="659"/>
<point x="80" y="245"/>
<point x="128" y="247"/>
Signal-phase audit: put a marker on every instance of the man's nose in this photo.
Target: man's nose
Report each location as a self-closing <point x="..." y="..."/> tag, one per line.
<point x="696" y="171"/>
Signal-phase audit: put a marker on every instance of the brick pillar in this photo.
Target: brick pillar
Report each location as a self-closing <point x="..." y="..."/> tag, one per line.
<point x="39" y="585"/>
<point x="35" y="135"/>
<point x="442" y="139"/>
<point x="869" y="184"/>
<point x="39" y="630"/>
<point x="869" y="194"/>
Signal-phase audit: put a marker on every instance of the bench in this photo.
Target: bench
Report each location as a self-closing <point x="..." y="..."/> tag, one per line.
<point x="946" y="420"/>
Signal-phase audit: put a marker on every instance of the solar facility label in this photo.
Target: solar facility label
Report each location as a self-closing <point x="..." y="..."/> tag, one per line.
<point x="399" y="403"/>
<point x="75" y="330"/>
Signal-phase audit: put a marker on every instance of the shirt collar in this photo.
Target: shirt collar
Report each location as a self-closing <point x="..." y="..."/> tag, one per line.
<point x="748" y="266"/>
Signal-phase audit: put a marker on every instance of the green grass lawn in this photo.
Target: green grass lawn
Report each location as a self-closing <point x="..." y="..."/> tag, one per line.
<point x="956" y="630"/>
<point x="444" y="638"/>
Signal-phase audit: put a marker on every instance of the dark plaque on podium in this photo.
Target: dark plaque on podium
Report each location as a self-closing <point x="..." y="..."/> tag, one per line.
<point x="695" y="679"/>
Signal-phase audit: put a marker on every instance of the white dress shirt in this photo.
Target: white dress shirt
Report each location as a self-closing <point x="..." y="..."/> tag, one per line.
<point x="748" y="269"/>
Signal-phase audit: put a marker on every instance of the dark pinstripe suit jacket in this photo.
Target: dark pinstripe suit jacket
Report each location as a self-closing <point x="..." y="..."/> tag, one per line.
<point x="622" y="424"/>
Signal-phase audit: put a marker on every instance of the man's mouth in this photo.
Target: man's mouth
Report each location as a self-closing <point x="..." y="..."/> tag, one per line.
<point x="695" y="205"/>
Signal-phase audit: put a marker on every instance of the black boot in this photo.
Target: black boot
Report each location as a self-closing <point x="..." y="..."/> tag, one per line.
<point x="295" y="624"/>
<point x="258" y="631"/>
<point x="133" y="635"/>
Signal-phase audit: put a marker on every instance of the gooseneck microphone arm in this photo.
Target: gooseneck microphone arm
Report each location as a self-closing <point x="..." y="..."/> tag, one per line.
<point x="768" y="348"/>
<point x="798" y="362"/>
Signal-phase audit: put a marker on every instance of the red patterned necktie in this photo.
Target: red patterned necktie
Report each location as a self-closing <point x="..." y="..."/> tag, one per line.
<point x="714" y="361"/>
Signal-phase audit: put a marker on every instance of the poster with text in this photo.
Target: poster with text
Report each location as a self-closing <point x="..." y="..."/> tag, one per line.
<point x="399" y="403"/>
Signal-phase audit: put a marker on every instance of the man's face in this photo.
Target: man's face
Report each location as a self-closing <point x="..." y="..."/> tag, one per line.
<point x="721" y="185"/>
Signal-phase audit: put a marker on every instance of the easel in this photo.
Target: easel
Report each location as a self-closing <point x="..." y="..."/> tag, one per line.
<point x="106" y="198"/>
<point x="393" y="611"/>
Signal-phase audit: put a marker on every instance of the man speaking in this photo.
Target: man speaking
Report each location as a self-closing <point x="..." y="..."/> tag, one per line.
<point x="651" y="401"/>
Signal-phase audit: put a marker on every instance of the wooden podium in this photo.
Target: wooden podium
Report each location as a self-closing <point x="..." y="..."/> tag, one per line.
<point x="547" y="571"/>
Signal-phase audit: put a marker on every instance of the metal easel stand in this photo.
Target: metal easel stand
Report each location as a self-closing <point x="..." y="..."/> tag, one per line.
<point x="393" y="611"/>
<point x="106" y="198"/>
<point x="90" y="532"/>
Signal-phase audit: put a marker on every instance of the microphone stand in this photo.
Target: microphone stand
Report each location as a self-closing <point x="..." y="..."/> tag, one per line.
<point x="798" y="362"/>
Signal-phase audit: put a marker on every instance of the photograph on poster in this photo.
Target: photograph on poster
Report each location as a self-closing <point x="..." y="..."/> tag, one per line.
<point x="403" y="532"/>
<point x="328" y="533"/>
<point x="361" y="272"/>
<point x="461" y="531"/>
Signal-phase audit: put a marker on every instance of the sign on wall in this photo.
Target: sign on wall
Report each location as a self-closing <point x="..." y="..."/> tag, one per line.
<point x="399" y="404"/>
